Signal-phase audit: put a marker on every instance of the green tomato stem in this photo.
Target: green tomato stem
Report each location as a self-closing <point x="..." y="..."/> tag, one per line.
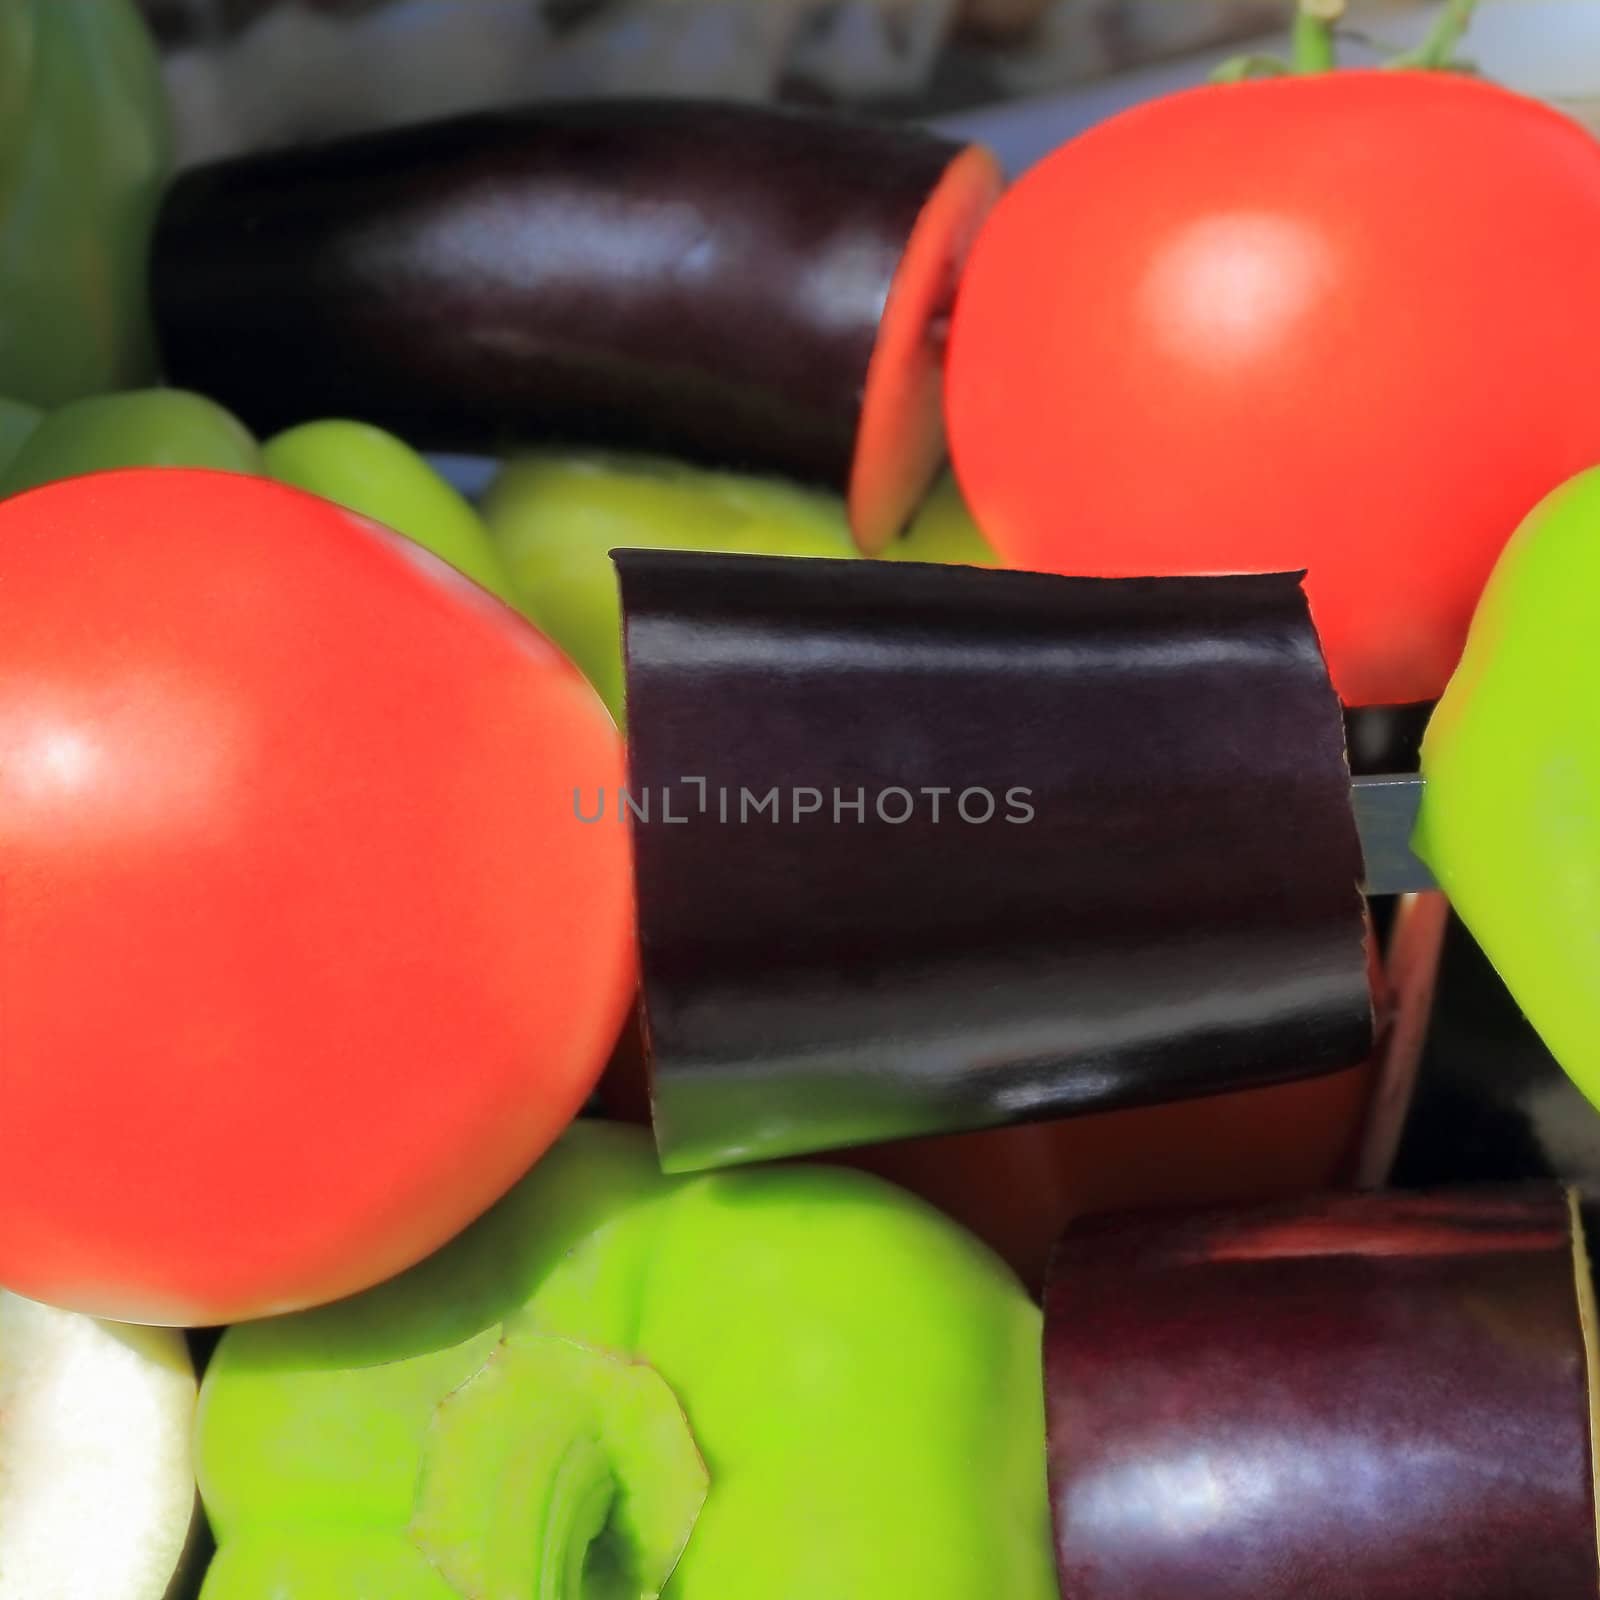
<point x="1237" y="69"/>
<point x="1312" y="47"/>
<point x="1437" y="52"/>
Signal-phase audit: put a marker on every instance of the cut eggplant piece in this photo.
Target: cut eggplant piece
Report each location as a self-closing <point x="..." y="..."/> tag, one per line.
<point x="923" y="849"/>
<point x="743" y="286"/>
<point x="1356" y="1397"/>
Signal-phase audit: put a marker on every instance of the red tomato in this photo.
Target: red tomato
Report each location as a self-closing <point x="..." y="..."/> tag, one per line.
<point x="304" y="954"/>
<point x="1350" y="323"/>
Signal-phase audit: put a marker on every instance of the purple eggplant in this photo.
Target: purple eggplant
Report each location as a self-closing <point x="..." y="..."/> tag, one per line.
<point x="923" y="849"/>
<point x="754" y="288"/>
<point x="1356" y="1397"/>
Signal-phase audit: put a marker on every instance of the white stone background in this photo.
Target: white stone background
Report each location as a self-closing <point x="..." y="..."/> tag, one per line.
<point x="252" y="73"/>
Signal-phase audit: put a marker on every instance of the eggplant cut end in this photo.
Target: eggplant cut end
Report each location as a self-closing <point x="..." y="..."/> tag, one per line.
<point x="900" y="439"/>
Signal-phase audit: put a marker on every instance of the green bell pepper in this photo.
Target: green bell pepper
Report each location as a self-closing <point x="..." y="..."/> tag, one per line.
<point x="789" y="1383"/>
<point x="1510" y="818"/>
<point x="140" y="428"/>
<point x="370" y="471"/>
<point x="84" y="156"/>
<point x="17" y="422"/>
<point x="555" y="518"/>
<point x="361" y="468"/>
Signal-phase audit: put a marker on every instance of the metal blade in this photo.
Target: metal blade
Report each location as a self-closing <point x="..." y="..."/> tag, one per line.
<point x="1386" y="814"/>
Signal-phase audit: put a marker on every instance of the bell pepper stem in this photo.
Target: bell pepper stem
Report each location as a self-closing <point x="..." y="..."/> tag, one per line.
<point x="581" y="1497"/>
<point x="559" y="1472"/>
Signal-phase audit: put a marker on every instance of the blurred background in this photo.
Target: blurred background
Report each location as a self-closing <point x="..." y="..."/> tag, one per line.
<point x="248" y="74"/>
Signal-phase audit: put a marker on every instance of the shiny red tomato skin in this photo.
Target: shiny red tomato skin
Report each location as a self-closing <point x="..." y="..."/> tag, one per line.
<point x="1349" y="323"/>
<point x="304" y="954"/>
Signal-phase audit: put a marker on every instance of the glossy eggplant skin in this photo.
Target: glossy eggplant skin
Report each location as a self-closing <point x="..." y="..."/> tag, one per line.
<point x="1177" y="913"/>
<point x="1356" y="1397"/>
<point x="702" y="280"/>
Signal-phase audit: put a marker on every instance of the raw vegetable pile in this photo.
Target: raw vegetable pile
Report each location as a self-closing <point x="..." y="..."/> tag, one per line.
<point x="373" y="863"/>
